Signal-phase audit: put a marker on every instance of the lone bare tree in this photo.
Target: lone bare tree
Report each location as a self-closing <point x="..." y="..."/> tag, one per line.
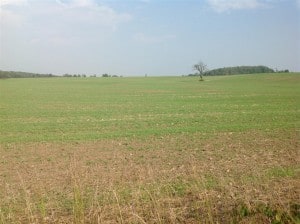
<point x="201" y="68"/>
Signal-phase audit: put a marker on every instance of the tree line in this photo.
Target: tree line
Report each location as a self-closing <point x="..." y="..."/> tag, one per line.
<point x="13" y="74"/>
<point x="201" y="68"/>
<point x="239" y="70"/>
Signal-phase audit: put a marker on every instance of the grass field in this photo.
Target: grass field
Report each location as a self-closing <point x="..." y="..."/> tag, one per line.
<point x="150" y="150"/>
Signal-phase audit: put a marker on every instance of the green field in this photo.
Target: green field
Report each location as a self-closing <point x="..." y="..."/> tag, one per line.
<point x="150" y="150"/>
<point x="62" y="109"/>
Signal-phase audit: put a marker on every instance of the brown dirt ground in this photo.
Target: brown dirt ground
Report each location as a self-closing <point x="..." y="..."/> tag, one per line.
<point x="170" y="179"/>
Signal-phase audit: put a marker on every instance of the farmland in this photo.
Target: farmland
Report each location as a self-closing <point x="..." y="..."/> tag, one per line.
<point x="150" y="150"/>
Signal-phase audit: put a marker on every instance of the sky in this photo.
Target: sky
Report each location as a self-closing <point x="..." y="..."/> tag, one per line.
<point x="153" y="37"/>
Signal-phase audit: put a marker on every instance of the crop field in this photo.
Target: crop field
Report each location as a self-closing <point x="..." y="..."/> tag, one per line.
<point x="150" y="150"/>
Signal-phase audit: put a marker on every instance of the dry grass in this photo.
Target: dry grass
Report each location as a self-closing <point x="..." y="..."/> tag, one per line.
<point x="248" y="177"/>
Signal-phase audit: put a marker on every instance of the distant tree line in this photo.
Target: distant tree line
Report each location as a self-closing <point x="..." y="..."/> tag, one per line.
<point x="92" y="76"/>
<point x="107" y="76"/>
<point x="13" y="74"/>
<point x="240" y="70"/>
<point x="75" y="75"/>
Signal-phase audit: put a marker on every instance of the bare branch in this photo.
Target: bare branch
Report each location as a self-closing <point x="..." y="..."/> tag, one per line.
<point x="200" y="67"/>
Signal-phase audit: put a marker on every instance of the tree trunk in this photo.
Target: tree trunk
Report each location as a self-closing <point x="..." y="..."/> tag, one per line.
<point x="201" y="78"/>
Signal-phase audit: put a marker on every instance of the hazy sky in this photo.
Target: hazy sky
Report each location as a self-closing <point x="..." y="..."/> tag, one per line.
<point x="157" y="37"/>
